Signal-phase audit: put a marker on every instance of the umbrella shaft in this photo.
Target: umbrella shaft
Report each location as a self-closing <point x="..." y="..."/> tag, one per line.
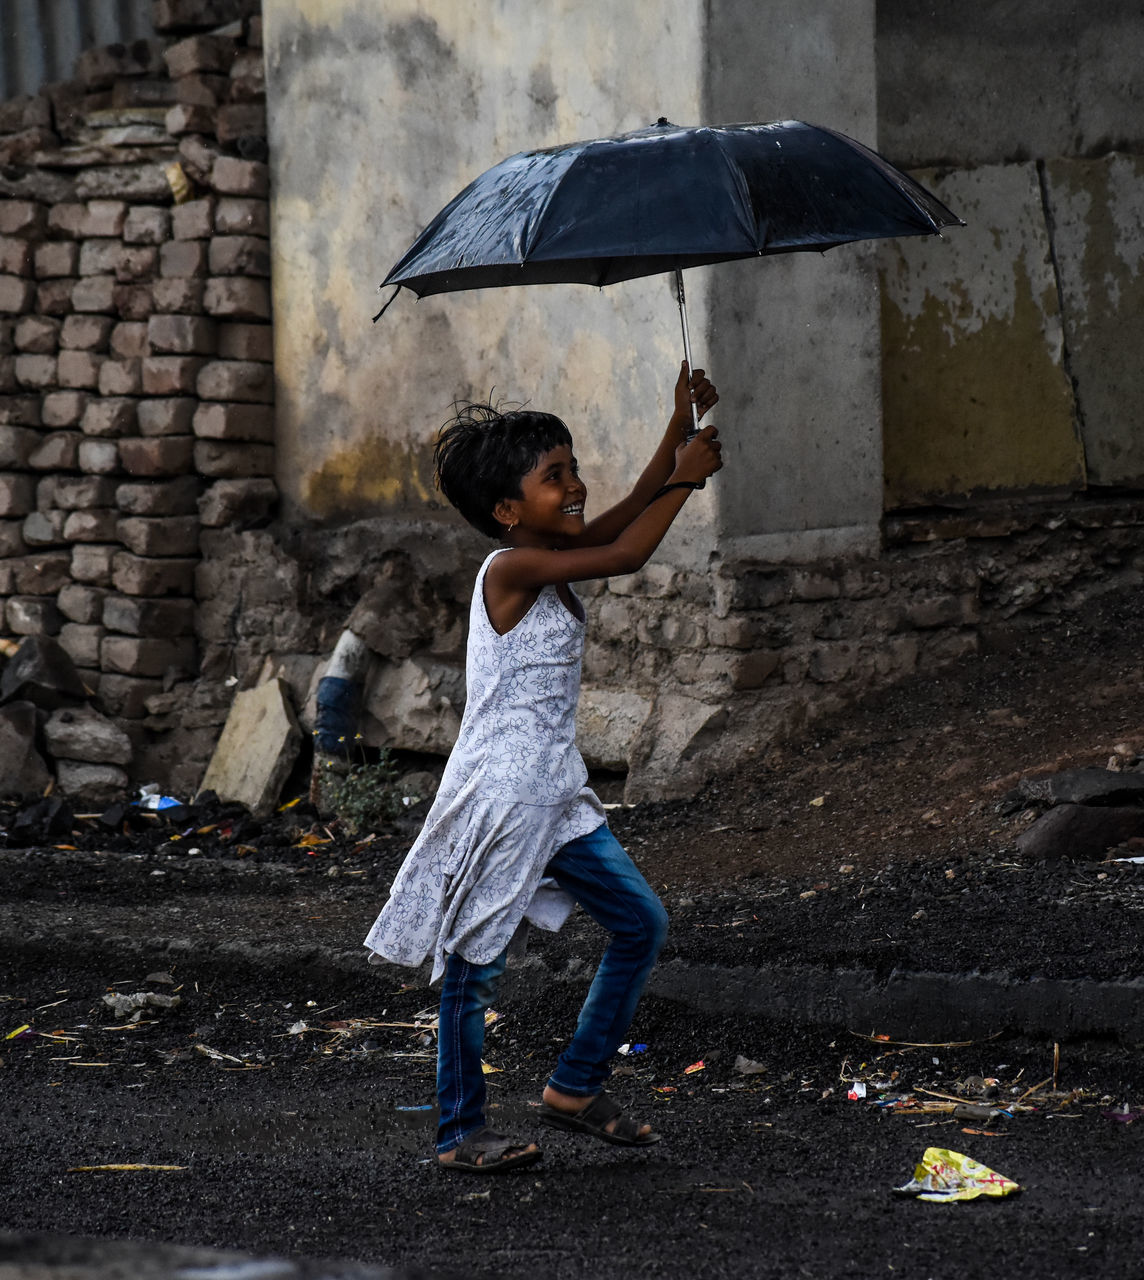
<point x="686" y="344"/>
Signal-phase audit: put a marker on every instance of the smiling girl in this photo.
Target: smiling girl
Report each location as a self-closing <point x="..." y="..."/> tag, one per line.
<point x="515" y="835"/>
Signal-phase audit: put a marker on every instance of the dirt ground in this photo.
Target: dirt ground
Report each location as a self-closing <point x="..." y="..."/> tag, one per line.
<point x="316" y="1141"/>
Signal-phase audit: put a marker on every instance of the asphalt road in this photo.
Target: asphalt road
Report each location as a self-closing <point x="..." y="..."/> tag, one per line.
<point x="298" y="1142"/>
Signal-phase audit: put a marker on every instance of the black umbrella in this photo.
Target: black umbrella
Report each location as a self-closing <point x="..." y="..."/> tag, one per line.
<point x="662" y="199"/>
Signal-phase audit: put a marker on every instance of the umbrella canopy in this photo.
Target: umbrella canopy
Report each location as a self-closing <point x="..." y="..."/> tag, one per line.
<point x="662" y="199"/>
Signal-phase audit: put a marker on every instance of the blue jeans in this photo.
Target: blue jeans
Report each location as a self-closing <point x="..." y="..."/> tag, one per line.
<point x="596" y="871"/>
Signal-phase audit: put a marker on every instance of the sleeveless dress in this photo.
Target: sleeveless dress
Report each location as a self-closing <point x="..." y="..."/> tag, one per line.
<point x="513" y="793"/>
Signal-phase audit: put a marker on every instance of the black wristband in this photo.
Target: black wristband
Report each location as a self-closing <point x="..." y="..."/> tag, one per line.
<point x="676" y="484"/>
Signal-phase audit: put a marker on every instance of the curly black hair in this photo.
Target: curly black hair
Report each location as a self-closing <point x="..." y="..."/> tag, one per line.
<point x="482" y="455"/>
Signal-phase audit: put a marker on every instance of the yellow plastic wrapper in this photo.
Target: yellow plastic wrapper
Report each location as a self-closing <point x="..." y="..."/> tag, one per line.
<point x="944" y="1176"/>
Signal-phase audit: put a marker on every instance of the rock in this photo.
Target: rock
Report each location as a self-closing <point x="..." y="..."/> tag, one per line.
<point x="24" y="773"/>
<point x="41" y="672"/>
<point x="257" y="749"/>
<point x="608" y="723"/>
<point x="394" y="618"/>
<point x="663" y="758"/>
<point x="1080" y="831"/>
<point x="414" y="705"/>
<point x="83" y="734"/>
<point x="1083" y="786"/>
<point x="97" y="784"/>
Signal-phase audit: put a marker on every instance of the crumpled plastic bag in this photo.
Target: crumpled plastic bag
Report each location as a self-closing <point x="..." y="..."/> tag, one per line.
<point x="943" y="1176"/>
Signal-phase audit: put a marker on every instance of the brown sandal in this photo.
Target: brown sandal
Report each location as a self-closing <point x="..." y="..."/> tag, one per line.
<point x="594" y="1119"/>
<point x="494" y="1149"/>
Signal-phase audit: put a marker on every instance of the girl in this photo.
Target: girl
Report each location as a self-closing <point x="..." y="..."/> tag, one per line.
<point x="514" y="834"/>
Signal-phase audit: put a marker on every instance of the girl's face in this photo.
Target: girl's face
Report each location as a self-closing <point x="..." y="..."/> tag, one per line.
<point x="550" y="509"/>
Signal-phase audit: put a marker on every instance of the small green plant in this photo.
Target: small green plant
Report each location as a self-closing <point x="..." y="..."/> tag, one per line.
<point x="367" y="795"/>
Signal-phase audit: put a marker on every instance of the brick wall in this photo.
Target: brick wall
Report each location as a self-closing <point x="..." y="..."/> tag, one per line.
<point x="136" y="383"/>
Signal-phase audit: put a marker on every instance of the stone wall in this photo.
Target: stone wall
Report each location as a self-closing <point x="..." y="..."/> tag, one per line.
<point x="136" y="376"/>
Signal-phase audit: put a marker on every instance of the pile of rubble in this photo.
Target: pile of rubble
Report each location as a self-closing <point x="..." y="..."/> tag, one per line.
<point x="136" y="377"/>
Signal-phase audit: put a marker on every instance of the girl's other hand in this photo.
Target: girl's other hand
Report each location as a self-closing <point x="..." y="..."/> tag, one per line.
<point x="699" y="457"/>
<point x="697" y="387"/>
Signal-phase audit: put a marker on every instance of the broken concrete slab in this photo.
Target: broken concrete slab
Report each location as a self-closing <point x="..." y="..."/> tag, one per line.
<point x="1080" y="831"/>
<point x="414" y="705"/>
<point x="257" y="749"/>
<point x="41" y="672"/>
<point x="1084" y="786"/>
<point x="663" y="757"/>
<point x="608" y="722"/>
<point x="81" y="733"/>
<point x="24" y="773"/>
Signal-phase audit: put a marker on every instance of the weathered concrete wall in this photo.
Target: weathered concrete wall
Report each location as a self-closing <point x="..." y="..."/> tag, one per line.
<point x="379" y="115"/>
<point x="975" y="392"/>
<point x="1002" y="80"/>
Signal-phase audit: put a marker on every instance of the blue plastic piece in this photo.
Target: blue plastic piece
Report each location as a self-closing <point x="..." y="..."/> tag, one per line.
<point x="336" y="722"/>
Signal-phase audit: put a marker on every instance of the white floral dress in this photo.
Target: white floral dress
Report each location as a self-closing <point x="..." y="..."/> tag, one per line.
<point x="513" y="793"/>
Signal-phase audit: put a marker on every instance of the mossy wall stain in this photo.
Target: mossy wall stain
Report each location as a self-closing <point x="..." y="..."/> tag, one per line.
<point x="974" y="407"/>
<point x="368" y="477"/>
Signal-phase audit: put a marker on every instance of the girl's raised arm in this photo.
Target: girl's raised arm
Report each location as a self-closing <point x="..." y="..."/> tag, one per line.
<point x="607" y="526"/>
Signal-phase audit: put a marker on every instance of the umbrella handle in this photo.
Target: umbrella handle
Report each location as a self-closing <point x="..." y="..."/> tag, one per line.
<point x="687" y="352"/>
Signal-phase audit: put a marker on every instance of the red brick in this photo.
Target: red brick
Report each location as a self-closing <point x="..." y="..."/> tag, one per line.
<point x="248" y="77"/>
<point x="94" y="293"/>
<point x="79" y="369"/>
<point x="233" y="177"/>
<point x="57" y="451"/>
<point x="102" y="66"/>
<point x="98" y="457"/>
<point x="36" y="371"/>
<point x="91" y="563"/>
<point x="109" y="418"/>
<point x="11" y="540"/>
<point x="197" y="157"/>
<point x="81" y="643"/>
<point x="126" y="696"/>
<point x="54" y="297"/>
<point x="147" y="224"/>
<point x="86" y="333"/>
<point x="246" y="342"/>
<point x="156" y="455"/>
<point x="139" y="656"/>
<point x="173" y="416"/>
<point x="20" y="411"/>
<point x="99" y="257"/>
<point x="15" y="256"/>
<point x="32" y="616"/>
<point x="104" y="218"/>
<point x="139" y="183"/>
<point x="190" y="335"/>
<point x="171" y="375"/>
<point x="37" y="335"/>
<point x="16" y="295"/>
<point x="135" y="616"/>
<point x="56" y="258"/>
<point x="233" y="461"/>
<point x="67" y="220"/>
<point x="64" y="408"/>
<point x="133" y="301"/>
<point x="183" y="258"/>
<point x="235" y="216"/>
<point x="21" y="218"/>
<point x="159" y="497"/>
<point x="16" y="443"/>
<point x="186" y="118"/>
<point x="200" y="53"/>
<point x="241" y="120"/>
<point x="236" y="298"/>
<point x="242" y="380"/>
<point x="80" y="604"/>
<point x="180" y="295"/>
<point x="43" y="574"/>
<point x="121" y="378"/>
<point x="239" y="256"/>
<point x="202" y="90"/>
<point x="193" y="220"/>
<point x="250" y="422"/>
<point x="129" y="340"/>
<point x="79" y="493"/>
<point x="17" y="495"/>
<point x="44" y="528"/>
<point x="91" y="526"/>
<point x="170" y="536"/>
<point x="144" y="576"/>
<point x="137" y="262"/>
